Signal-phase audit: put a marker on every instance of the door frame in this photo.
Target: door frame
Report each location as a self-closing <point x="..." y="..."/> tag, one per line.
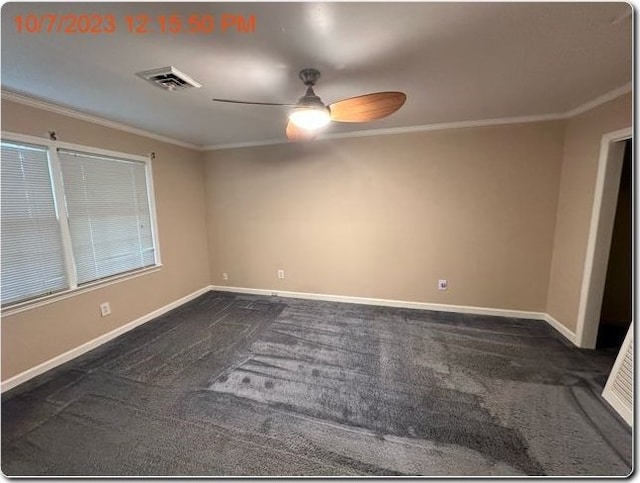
<point x="600" y="233"/>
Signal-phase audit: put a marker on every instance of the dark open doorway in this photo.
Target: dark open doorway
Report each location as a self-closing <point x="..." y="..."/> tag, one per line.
<point x="616" y="313"/>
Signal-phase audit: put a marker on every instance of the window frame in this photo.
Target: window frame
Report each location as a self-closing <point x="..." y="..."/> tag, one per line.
<point x="59" y="199"/>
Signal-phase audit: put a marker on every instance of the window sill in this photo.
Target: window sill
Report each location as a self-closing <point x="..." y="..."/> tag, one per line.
<point x="56" y="297"/>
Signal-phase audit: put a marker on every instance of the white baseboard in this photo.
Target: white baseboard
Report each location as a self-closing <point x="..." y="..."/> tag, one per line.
<point x="463" y="309"/>
<point x="92" y="344"/>
<point x="568" y="334"/>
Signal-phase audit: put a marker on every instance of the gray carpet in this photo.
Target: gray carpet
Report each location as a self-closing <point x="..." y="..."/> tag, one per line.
<point x="246" y="385"/>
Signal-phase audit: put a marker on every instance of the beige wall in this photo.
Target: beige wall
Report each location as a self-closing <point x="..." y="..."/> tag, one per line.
<point x="388" y="216"/>
<point x="575" y="202"/>
<point x="34" y="336"/>
<point x="502" y="212"/>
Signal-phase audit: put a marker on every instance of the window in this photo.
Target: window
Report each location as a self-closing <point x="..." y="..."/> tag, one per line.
<point x="32" y="254"/>
<point x="109" y="216"/>
<point x="71" y="217"/>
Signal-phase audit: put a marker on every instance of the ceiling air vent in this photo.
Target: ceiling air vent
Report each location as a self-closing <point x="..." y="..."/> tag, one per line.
<point x="169" y="79"/>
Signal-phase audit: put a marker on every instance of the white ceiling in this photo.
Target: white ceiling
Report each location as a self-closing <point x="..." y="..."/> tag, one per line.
<point x="455" y="62"/>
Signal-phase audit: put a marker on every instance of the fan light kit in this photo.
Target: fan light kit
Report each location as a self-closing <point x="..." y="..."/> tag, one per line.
<point x="309" y="115"/>
<point x="310" y="118"/>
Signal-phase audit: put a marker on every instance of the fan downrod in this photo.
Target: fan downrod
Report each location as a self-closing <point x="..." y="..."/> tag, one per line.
<point x="309" y="76"/>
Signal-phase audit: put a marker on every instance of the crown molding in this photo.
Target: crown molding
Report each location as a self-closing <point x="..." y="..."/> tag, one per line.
<point x="609" y="96"/>
<point x="65" y="111"/>
<point x="48" y="106"/>
<point x="446" y="125"/>
<point x="248" y="144"/>
<point x="399" y="130"/>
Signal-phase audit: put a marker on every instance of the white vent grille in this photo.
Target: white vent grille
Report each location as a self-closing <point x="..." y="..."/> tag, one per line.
<point x="622" y="386"/>
<point x="619" y="389"/>
<point x="169" y="79"/>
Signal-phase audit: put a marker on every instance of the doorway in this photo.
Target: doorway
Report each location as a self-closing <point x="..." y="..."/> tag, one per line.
<point x="608" y="180"/>
<point x="616" y="311"/>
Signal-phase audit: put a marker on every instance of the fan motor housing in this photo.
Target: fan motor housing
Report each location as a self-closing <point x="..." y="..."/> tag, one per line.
<point x="310" y="99"/>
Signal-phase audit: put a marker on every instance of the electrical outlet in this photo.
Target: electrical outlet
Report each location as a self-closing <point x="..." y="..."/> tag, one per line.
<point x="225" y="276"/>
<point x="442" y="284"/>
<point x="280" y="274"/>
<point x="105" y="309"/>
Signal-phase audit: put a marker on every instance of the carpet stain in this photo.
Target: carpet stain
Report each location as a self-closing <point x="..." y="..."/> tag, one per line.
<point x="233" y="384"/>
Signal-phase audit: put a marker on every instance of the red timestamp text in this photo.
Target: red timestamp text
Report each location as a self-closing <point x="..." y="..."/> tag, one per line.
<point x="66" y="23"/>
<point x="91" y="23"/>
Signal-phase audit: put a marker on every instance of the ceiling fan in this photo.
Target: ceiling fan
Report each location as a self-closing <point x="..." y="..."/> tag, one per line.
<point x="310" y="114"/>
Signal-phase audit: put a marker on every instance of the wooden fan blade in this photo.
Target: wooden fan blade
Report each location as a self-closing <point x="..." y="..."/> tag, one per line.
<point x="233" y="101"/>
<point x="368" y="107"/>
<point x="294" y="133"/>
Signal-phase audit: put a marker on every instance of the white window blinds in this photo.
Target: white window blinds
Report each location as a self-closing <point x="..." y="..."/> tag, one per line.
<point x="109" y="217"/>
<point x="31" y="245"/>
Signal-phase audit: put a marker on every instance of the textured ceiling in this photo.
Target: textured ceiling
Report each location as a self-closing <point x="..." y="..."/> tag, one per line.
<point x="455" y="61"/>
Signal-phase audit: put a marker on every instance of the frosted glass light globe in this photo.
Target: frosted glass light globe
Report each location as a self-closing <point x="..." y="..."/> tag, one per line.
<point x="310" y="118"/>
